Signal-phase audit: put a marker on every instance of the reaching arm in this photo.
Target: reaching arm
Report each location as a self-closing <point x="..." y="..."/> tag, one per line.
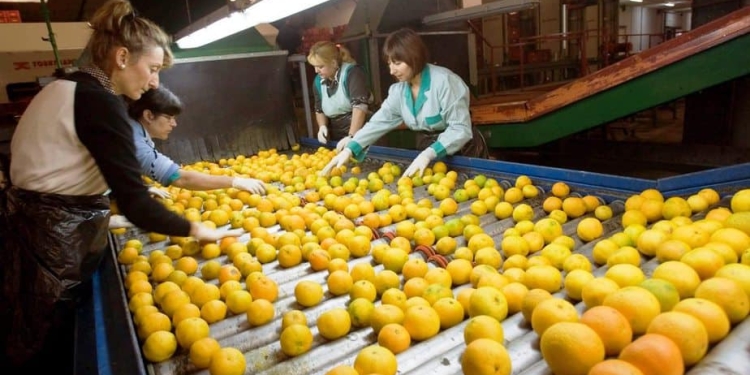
<point x="193" y="180"/>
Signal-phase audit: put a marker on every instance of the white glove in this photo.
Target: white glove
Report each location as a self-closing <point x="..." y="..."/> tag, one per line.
<point x="159" y="193"/>
<point x="337" y="161"/>
<point x="249" y="184"/>
<point x="343" y="142"/>
<point x="419" y="164"/>
<point x="205" y="234"/>
<point x="323" y="134"/>
<point x="119" y="221"/>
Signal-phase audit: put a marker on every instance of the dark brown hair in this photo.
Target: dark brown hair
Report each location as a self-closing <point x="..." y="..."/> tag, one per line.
<point x="116" y="24"/>
<point x="160" y="101"/>
<point x="406" y="45"/>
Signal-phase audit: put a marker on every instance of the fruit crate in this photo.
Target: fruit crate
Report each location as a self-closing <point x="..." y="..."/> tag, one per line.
<point x="442" y="353"/>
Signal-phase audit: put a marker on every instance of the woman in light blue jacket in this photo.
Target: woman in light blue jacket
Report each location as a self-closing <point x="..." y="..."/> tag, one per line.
<point x="427" y="98"/>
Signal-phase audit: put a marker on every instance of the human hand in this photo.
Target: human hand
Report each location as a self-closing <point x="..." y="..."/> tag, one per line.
<point x="323" y="134"/>
<point x="337" y="161"/>
<point x="419" y="164"/>
<point x="206" y="234"/>
<point x="159" y="193"/>
<point x="119" y="221"/>
<point x="249" y="184"/>
<point x="343" y="142"/>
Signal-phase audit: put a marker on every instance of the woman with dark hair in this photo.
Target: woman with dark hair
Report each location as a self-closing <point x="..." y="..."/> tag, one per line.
<point x="340" y="91"/>
<point x="154" y="116"/>
<point x="71" y="150"/>
<point x="427" y="98"/>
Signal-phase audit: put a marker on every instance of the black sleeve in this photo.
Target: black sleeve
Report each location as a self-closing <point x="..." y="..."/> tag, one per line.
<point x="102" y="126"/>
<point x="356" y="84"/>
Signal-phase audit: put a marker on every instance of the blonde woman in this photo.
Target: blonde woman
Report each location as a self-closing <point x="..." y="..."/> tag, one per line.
<point x="72" y="150"/>
<point x="341" y="94"/>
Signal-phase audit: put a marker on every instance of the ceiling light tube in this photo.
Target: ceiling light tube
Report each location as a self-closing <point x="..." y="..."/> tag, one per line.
<point x="668" y="4"/>
<point x="223" y="22"/>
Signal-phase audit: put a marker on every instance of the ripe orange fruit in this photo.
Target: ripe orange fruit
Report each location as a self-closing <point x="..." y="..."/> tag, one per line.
<point x="334" y="323"/>
<point x="375" y="359"/>
<point x="571" y="348"/>
<point x="611" y="326"/>
<point x="227" y="361"/>
<point x="159" y="346"/>
<point x="614" y="367"/>
<point x="483" y="327"/>
<point x="551" y="311"/>
<point x="728" y="294"/>
<point x="485" y="357"/>
<point x="202" y="350"/>
<point x="637" y="304"/>
<point x="394" y="337"/>
<point x="654" y="354"/>
<point x="712" y="316"/>
<point x="296" y="339"/>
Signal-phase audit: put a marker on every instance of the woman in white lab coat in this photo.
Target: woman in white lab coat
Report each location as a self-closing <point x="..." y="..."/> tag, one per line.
<point x="427" y="98"/>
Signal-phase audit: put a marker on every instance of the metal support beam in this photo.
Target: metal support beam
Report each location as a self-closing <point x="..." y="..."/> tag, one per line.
<point x="497" y="7"/>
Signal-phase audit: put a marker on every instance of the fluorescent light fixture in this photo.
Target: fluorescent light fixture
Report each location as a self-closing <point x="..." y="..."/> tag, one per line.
<point x="668" y="4"/>
<point x="224" y="22"/>
<point x="477" y="11"/>
<point x="636" y="1"/>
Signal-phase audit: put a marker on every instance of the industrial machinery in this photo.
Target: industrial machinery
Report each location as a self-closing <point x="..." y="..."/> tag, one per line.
<point x="118" y="347"/>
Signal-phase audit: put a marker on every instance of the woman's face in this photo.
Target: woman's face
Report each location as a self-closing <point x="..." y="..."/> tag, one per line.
<point x="400" y="70"/>
<point x="159" y="125"/>
<point x="326" y="71"/>
<point x="140" y="75"/>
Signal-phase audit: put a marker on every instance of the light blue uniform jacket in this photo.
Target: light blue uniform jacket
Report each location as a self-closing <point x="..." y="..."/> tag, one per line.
<point x="441" y="106"/>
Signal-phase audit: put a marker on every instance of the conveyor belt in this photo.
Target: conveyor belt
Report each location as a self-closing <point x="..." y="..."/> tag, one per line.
<point x="440" y="354"/>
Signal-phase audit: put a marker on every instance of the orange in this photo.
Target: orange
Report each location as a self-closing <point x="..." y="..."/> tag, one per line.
<point x="637" y="304"/>
<point x="664" y="291"/>
<point x="308" y="293"/>
<point x="375" y="359"/>
<point x="682" y="276"/>
<point x="589" y="229"/>
<point x="595" y="291"/>
<point x="686" y="331"/>
<point x="360" y="312"/>
<point x="728" y="294"/>
<point x="488" y="301"/>
<point x="422" y="322"/>
<point x="449" y="311"/>
<point x="712" y="316"/>
<point x="574" y="282"/>
<point x="202" y="350"/>
<point x="334" y="323"/>
<point x="459" y="270"/>
<point x="153" y="322"/>
<point x="625" y="275"/>
<point x="614" y="367"/>
<point x="227" y="361"/>
<point x="363" y="289"/>
<point x="293" y="317"/>
<point x="296" y="339"/>
<point x="204" y="293"/>
<point x="531" y="300"/>
<point x="342" y="370"/>
<point x="704" y="261"/>
<point x="514" y="293"/>
<point x="544" y="277"/>
<point x="740" y="273"/>
<point x="386" y="314"/>
<point x="671" y="250"/>
<point x="611" y="326"/>
<point x="260" y="312"/>
<point x="571" y="348"/>
<point x="159" y="346"/>
<point x="238" y="301"/>
<point x="339" y="282"/>
<point x="394" y="337"/>
<point x="485" y="357"/>
<point x="213" y="311"/>
<point x="560" y="189"/>
<point x="264" y="288"/>
<point x="395" y="297"/>
<point x="483" y="327"/>
<point x="551" y="311"/>
<point x="191" y="330"/>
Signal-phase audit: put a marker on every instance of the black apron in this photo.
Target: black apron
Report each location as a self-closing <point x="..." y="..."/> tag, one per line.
<point x="474" y="148"/>
<point x="338" y="127"/>
<point x="53" y="245"/>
